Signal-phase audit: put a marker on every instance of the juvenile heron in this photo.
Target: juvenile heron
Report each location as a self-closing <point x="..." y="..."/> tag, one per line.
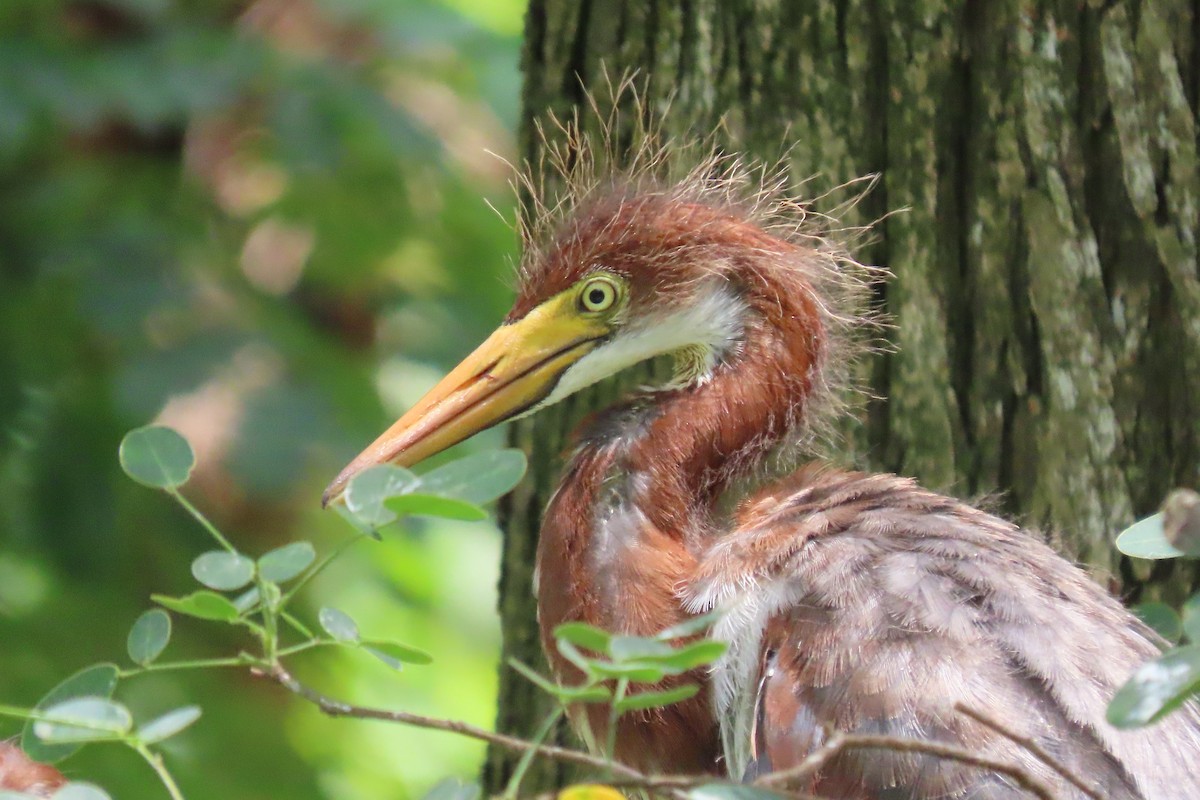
<point x="853" y="602"/>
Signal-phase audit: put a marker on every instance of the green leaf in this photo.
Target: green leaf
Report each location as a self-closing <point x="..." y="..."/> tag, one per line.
<point x="690" y="627"/>
<point x="657" y="699"/>
<point x="83" y="719"/>
<point x="156" y="456"/>
<point x="149" y="636"/>
<point x="731" y="791"/>
<point x="247" y="600"/>
<point x="633" y="648"/>
<point x="431" y="505"/>
<point x="1191" y="618"/>
<point x="567" y="694"/>
<point x="80" y="791"/>
<point x="477" y="478"/>
<point x="454" y="789"/>
<point x="572" y="654"/>
<point x="223" y="571"/>
<point x="1146" y="539"/>
<point x="367" y="491"/>
<point x="1156" y="688"/>
<point x="202" y="605"/>
<point x="584" y="635"/>
<point x="691" y="656"/>
<point x="398" y="651"/>
<point x="338" y="624"/>
<point x="1162" y="618"/>
<point x="99" y="680"/>
<point x="168" y="724"/>
<point x="287" y="562"/>
<point x="633" y="671"/>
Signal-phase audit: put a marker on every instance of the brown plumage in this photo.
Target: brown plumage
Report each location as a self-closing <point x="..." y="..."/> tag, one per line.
<point x="19" y="773"/>
<point x="859" y="603"/>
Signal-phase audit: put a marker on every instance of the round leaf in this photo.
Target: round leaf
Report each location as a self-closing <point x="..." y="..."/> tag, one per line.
<point x="285" y="563"/>
<point x="223" y="571"/>
<point x="149" y="636"/>
<point x="156" y="456"/>
<point x="1162" y="618"/>
<point x="453" y="789"/>
<point x="202" y="605"/>
<point x="398" y="651"/>
<point x="168" y="724"/>
<point x="630" y="648"/>
<point x="1156" y="687"/>
<point x="367" y="491"/>
<point x="80" y="791"/>
<point x="83" y="719"/>
<point x="584" y="635"/>
<point x="644" y="700"/>
<point x="338" y="624"/>
<point x="99" y="680"/>
<point x="429" y="505"/>
<point x="1146" y="539"/>
<point x="477" y="478"/>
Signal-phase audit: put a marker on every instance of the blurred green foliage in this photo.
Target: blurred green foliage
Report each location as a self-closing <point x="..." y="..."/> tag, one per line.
<point x="262" y="222"/>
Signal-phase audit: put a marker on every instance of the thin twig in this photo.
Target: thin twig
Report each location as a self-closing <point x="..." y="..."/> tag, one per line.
<point x="336" y="708"/>
<point x="840" y="742"/>
<point x="1032" y="747"/>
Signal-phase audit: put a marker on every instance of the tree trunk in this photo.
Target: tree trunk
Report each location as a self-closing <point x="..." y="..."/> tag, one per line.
<point x="1039" y="161"/>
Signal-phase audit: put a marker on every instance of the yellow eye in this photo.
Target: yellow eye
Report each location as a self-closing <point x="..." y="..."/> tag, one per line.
<point x="599" y="294"/>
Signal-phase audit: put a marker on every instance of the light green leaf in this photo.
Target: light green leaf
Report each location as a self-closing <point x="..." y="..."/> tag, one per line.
<point x="202" y="605"/>
<point x="477" y="478"/>
<point x="80" y="791"/>
<point x="567" y="694"/>
<point x="156" y="456"/>
<point x="657" y="699"/>
<point x="584" y="635"/>
<point x="632" y="648"/>
<point x="633" y="671"/>
<point x="731" y="791"/>
<point x="454" y="789"/>
<point x="1145" y="539"/>
<point x="398" y="651"/>
<point x="168" y="724"/>
<point x="430" y="505"/>
<point x="338" y="624"/>
<point x="287" y="562"/>
<point x="1162" y="618"/>
<point x="689" y="627"/>
<point x="691" y="656"/>
<point x="1156" y="688"/>
<point x="149" y="636"/>
<point x="1191" y="618"/>
<point x="83" y="719"/>
<point x="247" y="600"/>
<point x="99" y="680"/>
<point x="223" y="571"/>
<point x="367" y="491"/>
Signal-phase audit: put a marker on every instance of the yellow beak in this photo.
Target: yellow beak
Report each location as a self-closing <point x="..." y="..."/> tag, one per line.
<point x="516" y="368"/>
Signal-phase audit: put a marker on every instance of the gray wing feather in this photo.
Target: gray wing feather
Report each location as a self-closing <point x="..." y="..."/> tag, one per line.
<point x="866" y="604"/>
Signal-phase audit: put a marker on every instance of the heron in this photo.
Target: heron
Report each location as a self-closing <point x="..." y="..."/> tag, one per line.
<point x="850" y="602"/>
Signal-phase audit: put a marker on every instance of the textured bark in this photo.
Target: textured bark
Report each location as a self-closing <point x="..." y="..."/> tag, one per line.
<point x="1041" y="160"/>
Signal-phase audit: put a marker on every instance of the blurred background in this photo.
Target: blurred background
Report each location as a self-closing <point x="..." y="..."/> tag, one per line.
<point x="265" y="223"/>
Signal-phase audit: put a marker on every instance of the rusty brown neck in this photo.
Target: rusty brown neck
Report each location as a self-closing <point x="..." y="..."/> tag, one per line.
<point x="637" y="504"/>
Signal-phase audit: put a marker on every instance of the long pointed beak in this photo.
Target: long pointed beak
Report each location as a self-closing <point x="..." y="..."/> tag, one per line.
<point x="512" y="371"/>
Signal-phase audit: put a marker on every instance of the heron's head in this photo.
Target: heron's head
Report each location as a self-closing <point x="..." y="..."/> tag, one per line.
<point x="622" y="279"/>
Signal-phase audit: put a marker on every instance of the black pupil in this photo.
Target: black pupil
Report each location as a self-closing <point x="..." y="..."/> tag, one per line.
<point x="596" y="296"/>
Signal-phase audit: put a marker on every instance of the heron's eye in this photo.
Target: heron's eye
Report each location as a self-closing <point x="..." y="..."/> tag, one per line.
<point x="599" y="294"/>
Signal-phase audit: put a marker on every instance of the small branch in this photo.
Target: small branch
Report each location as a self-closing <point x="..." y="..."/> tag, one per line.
<point x="1032" y="747"/>
<point x="336" y="708"/>
<point x="840" y="742"/>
